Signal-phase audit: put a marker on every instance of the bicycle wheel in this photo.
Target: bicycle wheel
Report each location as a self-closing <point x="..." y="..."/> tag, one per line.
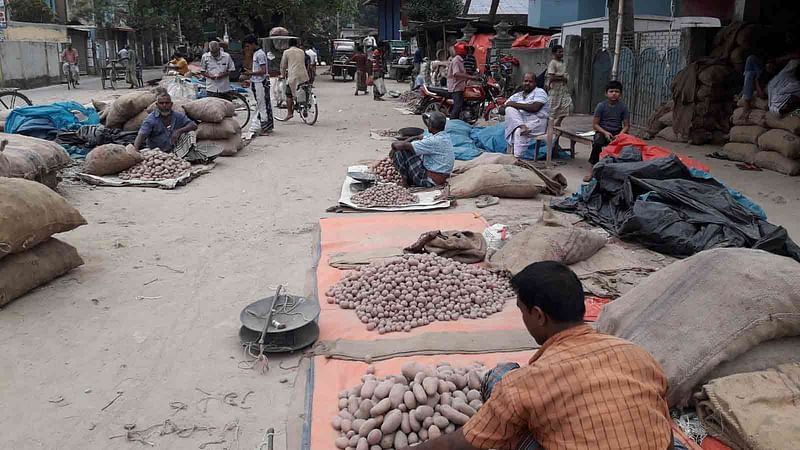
<point x="242" y="108"/>
<point x="279" y="109"/>
<point x="12" y="99"/>
<point x="112" y="79"/>
<point x="310" y="113"/>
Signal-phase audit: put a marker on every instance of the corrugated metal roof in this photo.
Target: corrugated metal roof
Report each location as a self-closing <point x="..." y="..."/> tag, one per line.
<point x="506" y="7"/>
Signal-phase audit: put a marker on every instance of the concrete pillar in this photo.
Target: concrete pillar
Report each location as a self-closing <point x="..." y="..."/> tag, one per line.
<point x="572" y="59"/>
<point x="696" y="43"/>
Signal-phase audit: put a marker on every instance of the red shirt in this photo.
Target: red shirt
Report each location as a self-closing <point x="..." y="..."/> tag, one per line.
<point x="70" y="56"/>
<point x="361" y="61"/>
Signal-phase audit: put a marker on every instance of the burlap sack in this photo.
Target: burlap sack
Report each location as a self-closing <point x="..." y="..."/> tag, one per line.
<point x="777" y="162"/>
<point x="229" y="147"/>
<point x="668" y="134"/>
<point x="3" y="116"/>
<point x="712" y="93"/>
<point x="746" y="37"/>
<point x="706" y="309"/>
<point x="209" y="109"/>
<point x="755" y="103"/>
<point x="666" y="119"/>
<point x="755" y="410"/>
<point x="713" y="75"/>
<point x="739" y="55"/>
<point x="483" y="159"/>
<point x="99" y="106"/>
<point x="109" y="159"/>
<point x="788" y="123"/>
<point x="218" y="131"/>
<point x="134" y="123"/>
<point x="781" y="141"/>
<point x="751" y="117"/>
<point x="763" y="356"/>
<point x="746" y="133"/>
<point x="737" y="151"/>
<point x="31" y="213"/>
<point x="34" y="159"/>
<point x="23" y="272"/>
<point x="467" y="247"/>
<point x="5" y="166"/>
<point x="177" y="106"/>
<point x="127" y="107"/>
<point x="549" y="239"/>
<point x="496" y="179"/>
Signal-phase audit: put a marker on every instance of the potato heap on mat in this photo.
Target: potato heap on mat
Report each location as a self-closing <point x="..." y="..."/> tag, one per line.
<point x="398" y="411"/>
<point x="385" y="194"/>
<point x="386" y="171"/>
<point x="156" y="166"/>
<point x="414" y="290"/>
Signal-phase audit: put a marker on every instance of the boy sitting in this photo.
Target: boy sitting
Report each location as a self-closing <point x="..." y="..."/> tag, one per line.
<point x="611" y="118"/>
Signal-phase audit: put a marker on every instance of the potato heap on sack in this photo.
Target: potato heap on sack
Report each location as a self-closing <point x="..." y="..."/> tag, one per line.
<point x="399" y="411"/>
<point x="386" y="171"/>
<point x="156" y="166"/>
<point x="385" y="194"/>
<point x="414" y="290"/>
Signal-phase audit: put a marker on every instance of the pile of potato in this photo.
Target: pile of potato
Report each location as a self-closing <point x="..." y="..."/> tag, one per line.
<point x="399" y="411"/>
<point x="414" y="290"/>
<point x="385" y="194"/>
<point x="156" y="166"/>
<point x="386" y="171"/>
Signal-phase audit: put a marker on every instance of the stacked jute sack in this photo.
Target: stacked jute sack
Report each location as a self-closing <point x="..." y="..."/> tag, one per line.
<point x="765" y="139"/>
<point x="31" y="158"/>
<point x="3" y="116"/>
<point x="29" y="256"/>
<point x="703" y="91"/>
<point x="216" y="124"/>
<point x="128" y="111"/>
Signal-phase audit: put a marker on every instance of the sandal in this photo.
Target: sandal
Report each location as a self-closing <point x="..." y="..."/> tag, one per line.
<point x="486" y="200"/>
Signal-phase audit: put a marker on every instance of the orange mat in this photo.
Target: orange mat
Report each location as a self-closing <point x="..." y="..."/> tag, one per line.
<point x="368" y="232"/>
<point x="332" y="376"/>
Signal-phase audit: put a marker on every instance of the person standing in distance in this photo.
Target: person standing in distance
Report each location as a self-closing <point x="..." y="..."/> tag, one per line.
<point x="262" y="121"/>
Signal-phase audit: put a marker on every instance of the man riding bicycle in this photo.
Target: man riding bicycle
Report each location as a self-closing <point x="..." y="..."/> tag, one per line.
<point x="69" y="59"/>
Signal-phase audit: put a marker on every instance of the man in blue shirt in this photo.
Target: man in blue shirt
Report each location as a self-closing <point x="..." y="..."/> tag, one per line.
<point x="164" y="128"/>
<point x="426" y="162"/>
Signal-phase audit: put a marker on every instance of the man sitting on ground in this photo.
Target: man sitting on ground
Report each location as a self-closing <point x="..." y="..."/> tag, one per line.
<point x="166" y="129"/>
<point x="526" y="115"/>
<point x="581" y="390"/>
<point x="178" y="64"/>
<point x="429" y="161"/>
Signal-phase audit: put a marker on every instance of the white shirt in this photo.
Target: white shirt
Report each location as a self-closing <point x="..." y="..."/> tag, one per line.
<point x="216" y="66"/>
<point x="369" y="41"/>
<point x="259" y="62"/>
<point x="123" y="54"/>
<point x="536" y="95"/>
<point x="313" y="55"/>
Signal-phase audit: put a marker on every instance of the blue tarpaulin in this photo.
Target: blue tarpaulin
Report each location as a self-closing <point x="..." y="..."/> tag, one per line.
<point x="44" y="121"/>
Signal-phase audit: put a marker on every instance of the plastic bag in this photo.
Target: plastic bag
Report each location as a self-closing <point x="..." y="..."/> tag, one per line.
<point x="496" y="235"/>
<point x="279" y="92"/>
<point x="179" y="88"/>
<point x="380" y="85"/>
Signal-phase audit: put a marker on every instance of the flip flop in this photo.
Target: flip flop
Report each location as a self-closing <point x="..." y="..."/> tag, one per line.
<point x="486" y="200"/>
<point x="747" y="166"/>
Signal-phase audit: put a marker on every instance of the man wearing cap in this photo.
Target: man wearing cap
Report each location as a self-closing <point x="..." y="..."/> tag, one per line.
<point x="457" y="77"/>
<point x="425" y="162"/>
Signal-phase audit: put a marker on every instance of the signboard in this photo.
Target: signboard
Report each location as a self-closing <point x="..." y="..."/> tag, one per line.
<point x="3" y="19"/>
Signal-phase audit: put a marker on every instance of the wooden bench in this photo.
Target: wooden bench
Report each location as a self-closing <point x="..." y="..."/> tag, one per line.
<point x="571" y="128"/>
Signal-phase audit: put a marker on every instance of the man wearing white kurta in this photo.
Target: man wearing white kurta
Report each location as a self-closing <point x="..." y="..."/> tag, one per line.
<point x="526" y="115"/>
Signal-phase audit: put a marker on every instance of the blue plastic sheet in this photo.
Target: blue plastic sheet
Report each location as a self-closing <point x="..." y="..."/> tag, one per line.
<point x="44" y="121"/>
<point x="459" y="132"/>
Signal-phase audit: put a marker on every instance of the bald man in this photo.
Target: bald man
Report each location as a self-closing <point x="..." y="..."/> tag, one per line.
<point x="526" y="115"/>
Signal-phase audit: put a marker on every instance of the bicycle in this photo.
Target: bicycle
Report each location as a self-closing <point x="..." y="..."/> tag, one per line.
<point x="11" y="98"/>
<point x="111" y="73"/>
<point x="305" y="104"/>
<point x="240" y="104"/>
<point x="66" y="69"/>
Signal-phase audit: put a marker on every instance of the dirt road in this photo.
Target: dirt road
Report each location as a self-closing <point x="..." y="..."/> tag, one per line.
<point x="154" y="311"/>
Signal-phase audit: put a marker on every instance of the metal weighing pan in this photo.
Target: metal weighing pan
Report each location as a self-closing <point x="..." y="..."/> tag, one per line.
<point x="291" y="312"/>
<point x="283" y="342"/>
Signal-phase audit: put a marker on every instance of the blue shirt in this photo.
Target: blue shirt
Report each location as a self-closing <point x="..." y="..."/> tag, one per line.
<point x="159" y="136"/>
<point x="437" y="152"/>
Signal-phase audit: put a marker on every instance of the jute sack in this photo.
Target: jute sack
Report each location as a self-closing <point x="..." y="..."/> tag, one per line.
<point x="706" y="309"/>
<point x="763" y="356"/>
<point x="23" y="272"/>
<point x="788" y="123"/>
<point x="209" y="109"/>
<point x="737" y="151"/>
<point x="135" y="122"/>
<point x="222" y="130"/>
<point x="751" y="117"/>
<point x="549" y="239"/>
<point x="3" y="116"/>
<point x="666" y="119"/>
<point x="229" y="147"/>
<point x="668" y="133"/>
<point x="756" y="103"/>
<point x="781" y="141"/>
<point x="712" y="75"/>
<point x="30" y="213"/>
<point x="777" y="162"/>
<point x="127" y="107"/>
<point x="110" y="159"/>
<point x="177" y="106"/>
<point x="34" y="159"/>
<point x="746" y="133"/>
<point x="496" y="179"/>
<point x="483" y="159"/>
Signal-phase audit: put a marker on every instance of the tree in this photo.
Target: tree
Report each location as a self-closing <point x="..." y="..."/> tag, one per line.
<point x="35" y="11"/>
<point x="425" y="10"/>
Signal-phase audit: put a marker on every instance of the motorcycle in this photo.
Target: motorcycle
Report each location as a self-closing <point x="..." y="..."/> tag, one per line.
<point x="479" y="100"/>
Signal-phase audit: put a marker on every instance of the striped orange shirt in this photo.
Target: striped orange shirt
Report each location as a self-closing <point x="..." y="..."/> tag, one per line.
<point x="581" y="390"/>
